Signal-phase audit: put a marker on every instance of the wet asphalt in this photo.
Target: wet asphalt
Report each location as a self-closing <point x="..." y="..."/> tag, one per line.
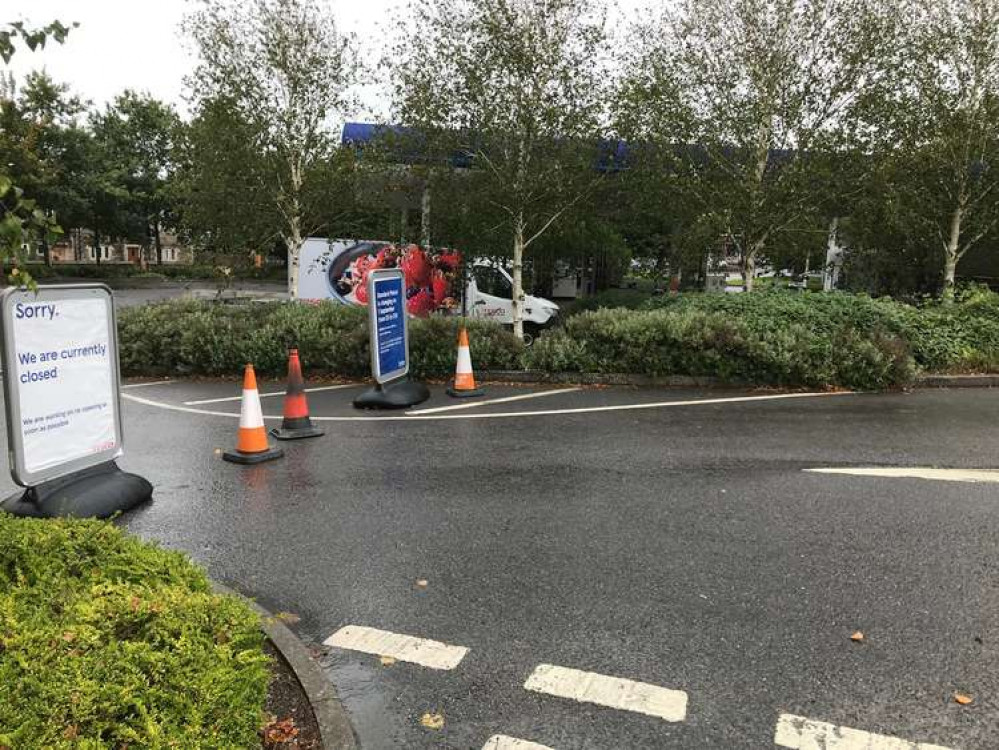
<point x="680" y="546"/>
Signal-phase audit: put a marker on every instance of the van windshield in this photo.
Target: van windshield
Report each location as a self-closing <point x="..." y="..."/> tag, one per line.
<point x="489" y="280"/>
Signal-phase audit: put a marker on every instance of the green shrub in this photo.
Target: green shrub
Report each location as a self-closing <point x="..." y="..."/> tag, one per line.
<point x="678" y="340"/>
<point x="202" y="338"/>
<point x="767" y="338"/>
<point x="109" y="642"/>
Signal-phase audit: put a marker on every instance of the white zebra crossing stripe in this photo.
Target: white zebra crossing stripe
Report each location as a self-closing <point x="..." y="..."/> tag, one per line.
<point x="799" y="733"/>
<point x="917" y="472"/>
<point x="613" y="692"/>
<point x="502" y="742"/>
<point x="408" y="648"/>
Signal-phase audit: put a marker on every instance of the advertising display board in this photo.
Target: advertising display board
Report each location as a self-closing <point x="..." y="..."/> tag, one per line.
<point x="60" y="366"/>
<point x="389" y="333"/>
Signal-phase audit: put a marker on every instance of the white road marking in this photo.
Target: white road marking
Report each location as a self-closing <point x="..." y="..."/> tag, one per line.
<point x="266" y="395"/>
<point x="614" y="692"/>
<point x="426" y="653"/>
<point x="916" y="472"/>
<point x="800" y="733"/>
<point x="508" y="414"/>
<point x="146" y="385"/>
<point x="503" y="742"/>
<point x="473" y="404"/>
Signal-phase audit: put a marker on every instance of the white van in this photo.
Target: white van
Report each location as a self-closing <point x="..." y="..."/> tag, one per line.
<point x="323" y="264"/>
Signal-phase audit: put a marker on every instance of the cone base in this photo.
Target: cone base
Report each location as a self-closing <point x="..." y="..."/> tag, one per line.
<point x="297" y="433"/>
<point x="236" y="457"/>
<point x="464" y="392"/>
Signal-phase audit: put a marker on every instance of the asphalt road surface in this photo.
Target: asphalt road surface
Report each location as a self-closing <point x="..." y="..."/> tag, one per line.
<point x="611" y="568"/>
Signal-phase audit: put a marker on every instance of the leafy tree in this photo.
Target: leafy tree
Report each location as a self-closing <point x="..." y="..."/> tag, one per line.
<point x="285" y="70"/>
<point x="518" y="86"/>
<point x="21" y="219"/>
<point x="746" y="101"/>
<point x="934" y="128"/>
<point x="136" y="134"/>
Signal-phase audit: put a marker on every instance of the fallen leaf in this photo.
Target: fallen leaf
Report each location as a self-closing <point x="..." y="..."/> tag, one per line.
<point x="422" y="583"/>
<point x="857" y="637"/>
<point x="432" y="721"/>
<point x="69" y="636"/>
<point x="289" y="618"/>
<point x="963" y="699"/>
<point x="387" y="661"/>
<point x="278" y="731"/>
<point x="71" y="732"/>
<point x="134" y="603"/>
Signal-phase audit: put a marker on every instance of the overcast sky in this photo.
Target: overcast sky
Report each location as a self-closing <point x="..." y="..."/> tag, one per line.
<point x="137" y="43"/>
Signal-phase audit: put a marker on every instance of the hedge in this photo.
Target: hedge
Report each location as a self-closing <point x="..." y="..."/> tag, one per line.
<point x="202" y="338"/>
<point x="109" y="642"/>
<point x="774" y="338"/>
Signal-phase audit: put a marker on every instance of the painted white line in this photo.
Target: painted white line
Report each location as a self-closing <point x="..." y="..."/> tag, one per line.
<point x="146" y="385"/>
<point x="426" y="653"/>
<point x="916" y="472"/>
<point x="614" y="692"/>
<point x="507" y="414"/>
<point x="266" y="395"/>
<point x="506" y="400"/>
<point x="800" y="733"/>
<point x="503" y="742"/>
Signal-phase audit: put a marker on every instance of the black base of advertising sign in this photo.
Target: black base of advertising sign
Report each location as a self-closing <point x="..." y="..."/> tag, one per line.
<point x="97" y="492"/>
<point x="398" y="395"/>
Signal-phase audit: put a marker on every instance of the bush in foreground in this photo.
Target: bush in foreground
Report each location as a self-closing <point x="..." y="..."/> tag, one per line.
<point x="108" y="642"/>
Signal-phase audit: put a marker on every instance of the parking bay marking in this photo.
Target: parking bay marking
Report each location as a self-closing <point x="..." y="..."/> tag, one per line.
<point x="916" y="472"/>
<point x="799" y="733"/>
<point x="506" y="400"/>
<point x="266" y="395"/>
<point x="408" y="648"/>
<point x="146" y="385"/>
<point x="503" y="415"/>
<point x="613" y="692"/>
<point x="503" y="742"/>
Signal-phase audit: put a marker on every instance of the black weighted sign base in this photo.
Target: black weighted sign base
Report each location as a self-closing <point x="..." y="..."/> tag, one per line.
<point x="400" y="394"/>
<point x="97" y="492"/>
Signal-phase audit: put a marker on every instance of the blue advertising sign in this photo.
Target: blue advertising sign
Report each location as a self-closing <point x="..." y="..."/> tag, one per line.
<point x="389" y="332"/>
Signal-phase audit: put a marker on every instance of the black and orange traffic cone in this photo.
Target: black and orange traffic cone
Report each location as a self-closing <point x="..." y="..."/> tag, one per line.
<point x="252" y="446"/>
<point x="464" y="379"/>
<point x="296" y="423"/>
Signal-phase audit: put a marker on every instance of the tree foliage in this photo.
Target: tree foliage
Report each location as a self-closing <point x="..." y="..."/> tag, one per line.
<point x="518" y="86"/>
<point x="284" y="70"/>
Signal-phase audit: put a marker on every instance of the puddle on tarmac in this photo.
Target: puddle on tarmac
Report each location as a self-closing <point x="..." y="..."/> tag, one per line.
<point x="377" y="723"/>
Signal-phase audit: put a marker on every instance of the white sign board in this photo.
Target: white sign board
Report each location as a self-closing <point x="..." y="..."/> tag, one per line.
<point x="60" y="369"/>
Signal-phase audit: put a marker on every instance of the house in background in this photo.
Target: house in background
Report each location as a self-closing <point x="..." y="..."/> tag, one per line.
<point x="78" y="246"/>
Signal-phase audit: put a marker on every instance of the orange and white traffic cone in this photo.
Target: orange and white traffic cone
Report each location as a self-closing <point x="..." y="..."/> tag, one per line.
<point x="252" y="446"/>
<point x="296" y="423"/>
<point x="464" y="380"/>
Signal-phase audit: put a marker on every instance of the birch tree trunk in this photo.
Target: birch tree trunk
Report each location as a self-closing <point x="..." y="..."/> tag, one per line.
<point x="831" y="270"/>
<point x="425" y="215"/>
<point x="294" y="218"/>
<point x="518" y="276"/>
<point x="952" y="250"/>
<point x="748" y="269"/>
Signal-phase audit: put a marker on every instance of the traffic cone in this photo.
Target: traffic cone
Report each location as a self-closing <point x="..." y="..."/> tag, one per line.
<point x="464" y="381"/>
<point x="296" y="423"/>
<point x="252" y="446"/>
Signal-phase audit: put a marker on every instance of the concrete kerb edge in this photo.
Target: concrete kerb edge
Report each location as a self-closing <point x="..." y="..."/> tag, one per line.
<point x="335" y="728"/>
<point x="687" y="381"/>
